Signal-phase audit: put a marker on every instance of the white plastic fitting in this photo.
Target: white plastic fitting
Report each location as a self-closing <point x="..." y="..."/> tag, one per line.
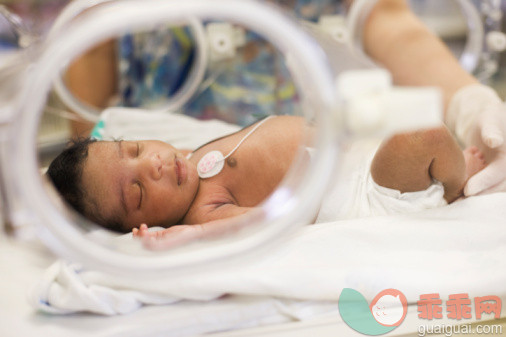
<point x="224" y="38"/>
<point x="375" y="108"/>
<point x="335" y="26"/>
<point x="496" y="41"/>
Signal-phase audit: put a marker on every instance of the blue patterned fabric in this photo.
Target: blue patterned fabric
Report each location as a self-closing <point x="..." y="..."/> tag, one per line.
<point x="152" y="66"/>
<point x="255" y="83"/>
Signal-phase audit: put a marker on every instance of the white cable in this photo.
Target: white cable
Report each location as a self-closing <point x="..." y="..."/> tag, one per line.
<point x="247" y="135"/>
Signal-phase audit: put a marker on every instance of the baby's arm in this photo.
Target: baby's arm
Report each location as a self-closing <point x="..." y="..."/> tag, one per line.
<point x="222" y="211"/>
<point x="408" y="162"/>
<point x="182" y="234"/>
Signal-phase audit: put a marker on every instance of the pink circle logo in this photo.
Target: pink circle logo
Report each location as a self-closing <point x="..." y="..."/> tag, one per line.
<point x="389" y="307"/>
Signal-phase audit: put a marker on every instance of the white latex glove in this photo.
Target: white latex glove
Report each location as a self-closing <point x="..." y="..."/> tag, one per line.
<point x="477" y="116"/>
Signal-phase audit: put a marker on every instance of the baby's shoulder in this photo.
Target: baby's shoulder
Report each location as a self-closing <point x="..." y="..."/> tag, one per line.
<point x="209" y="197"/>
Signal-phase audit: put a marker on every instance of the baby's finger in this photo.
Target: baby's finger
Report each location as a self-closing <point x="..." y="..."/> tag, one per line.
<point x="143" y="230"/>
<point x="135" y="232"/>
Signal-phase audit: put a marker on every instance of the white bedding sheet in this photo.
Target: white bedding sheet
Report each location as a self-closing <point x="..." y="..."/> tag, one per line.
<point x="416" y="255"/>
<point x="448" y="250"/>
<point x="422" y="255"/>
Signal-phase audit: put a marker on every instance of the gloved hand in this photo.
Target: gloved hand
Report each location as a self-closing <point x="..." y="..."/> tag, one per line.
<point x="477" y="116"/>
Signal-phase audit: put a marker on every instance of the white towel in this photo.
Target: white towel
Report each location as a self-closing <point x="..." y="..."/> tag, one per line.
<point x="453" y="249"/>
<point x="181" y="131"/>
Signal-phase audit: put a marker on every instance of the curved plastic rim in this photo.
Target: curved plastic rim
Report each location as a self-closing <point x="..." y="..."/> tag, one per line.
<point x="287" y="208"/>
<point x="174" y="103"/>
<point x="470" y="57"/>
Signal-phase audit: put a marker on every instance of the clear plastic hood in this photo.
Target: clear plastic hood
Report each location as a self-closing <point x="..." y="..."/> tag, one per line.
<point x="76" y="238"/>
<point x="301" y="71"/>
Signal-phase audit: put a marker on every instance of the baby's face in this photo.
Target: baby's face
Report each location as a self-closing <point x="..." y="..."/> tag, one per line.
<point x="139" y="182"/>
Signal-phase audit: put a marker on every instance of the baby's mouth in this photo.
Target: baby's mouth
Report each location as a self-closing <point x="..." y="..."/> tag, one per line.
<point x="180" y="168"/>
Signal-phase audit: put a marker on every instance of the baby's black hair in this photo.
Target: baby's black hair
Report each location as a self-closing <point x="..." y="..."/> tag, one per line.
<point x="66" y="171"/>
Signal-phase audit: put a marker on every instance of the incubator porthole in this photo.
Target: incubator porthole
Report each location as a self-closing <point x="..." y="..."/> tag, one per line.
<point x="459" y="23"/>
<point x="175" y="95"/>
<point x="279" y="212"/>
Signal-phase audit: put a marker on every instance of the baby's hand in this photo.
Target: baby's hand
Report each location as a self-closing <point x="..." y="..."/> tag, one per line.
<point x="168" y="237"/>
<point x="172" y="237"/>
<point x="142" y="231"/>
<point x="178" y="235"/>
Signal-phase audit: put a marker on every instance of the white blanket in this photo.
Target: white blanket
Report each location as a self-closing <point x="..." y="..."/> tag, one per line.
<point x="181" y="131"/>
<point x="453" y="249"/>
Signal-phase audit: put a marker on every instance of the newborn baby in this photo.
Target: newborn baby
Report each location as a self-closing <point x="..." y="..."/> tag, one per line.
<point x="123" y="184"/>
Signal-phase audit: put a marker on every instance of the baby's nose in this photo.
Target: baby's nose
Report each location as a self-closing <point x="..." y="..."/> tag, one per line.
<point x="153" y="166"/>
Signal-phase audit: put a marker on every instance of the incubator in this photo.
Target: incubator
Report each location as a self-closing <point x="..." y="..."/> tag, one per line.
<point x="338" y="90"/>
<point x="340" y="104"/>
<point x="75" y="241"/>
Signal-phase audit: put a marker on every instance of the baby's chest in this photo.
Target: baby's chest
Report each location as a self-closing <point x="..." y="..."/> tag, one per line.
<point x="248" y="175"/>
<point x="233" y="156"/>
